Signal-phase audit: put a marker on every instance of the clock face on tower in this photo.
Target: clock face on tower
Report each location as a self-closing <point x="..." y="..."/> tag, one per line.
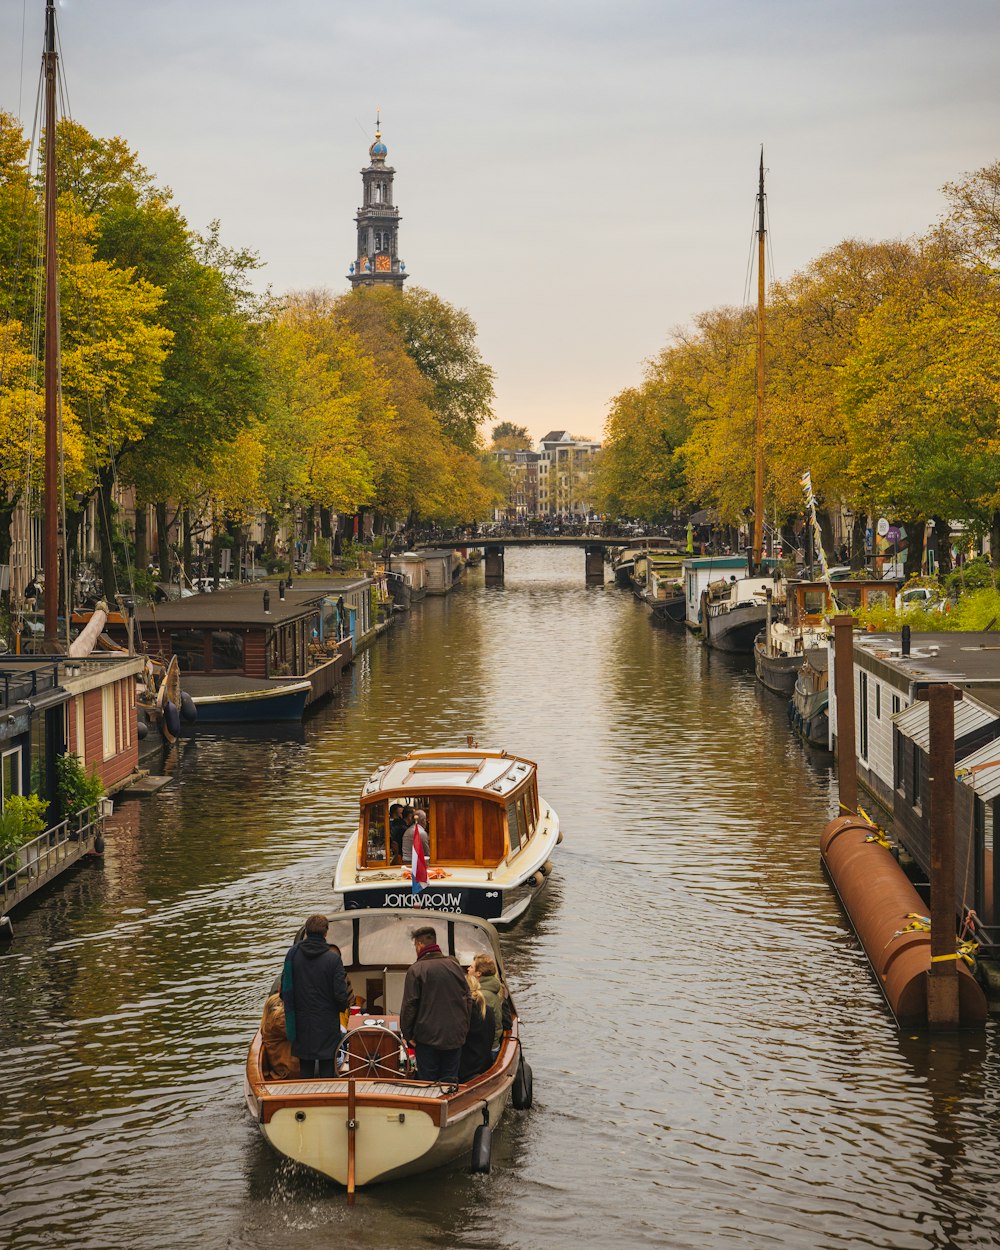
<point x="383" y="263"/>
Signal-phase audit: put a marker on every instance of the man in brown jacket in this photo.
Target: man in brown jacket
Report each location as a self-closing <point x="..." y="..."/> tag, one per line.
<point x="435" y="1012"/>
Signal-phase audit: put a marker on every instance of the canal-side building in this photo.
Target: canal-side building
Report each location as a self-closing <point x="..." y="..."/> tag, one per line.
<point x="377" y="262"/>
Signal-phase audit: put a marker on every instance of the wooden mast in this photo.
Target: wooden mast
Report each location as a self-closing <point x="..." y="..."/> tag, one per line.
<point x="758" y="487"/>
<point x="51" y="495"/>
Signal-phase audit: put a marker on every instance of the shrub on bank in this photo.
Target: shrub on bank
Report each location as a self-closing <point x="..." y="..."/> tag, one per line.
<point x="975" y="611"/>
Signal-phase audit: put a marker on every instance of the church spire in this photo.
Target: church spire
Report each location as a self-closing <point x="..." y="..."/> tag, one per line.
<point x="377" y="262"/>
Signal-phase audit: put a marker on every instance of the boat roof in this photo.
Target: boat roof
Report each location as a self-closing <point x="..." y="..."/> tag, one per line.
<point x="383" y="936"/>
<point x="492" y="774"/>
<point x="244" y="604"/>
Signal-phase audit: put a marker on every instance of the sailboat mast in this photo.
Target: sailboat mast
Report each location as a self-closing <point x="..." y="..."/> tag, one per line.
<point x="51" y="495"/>
<point x="758" y="488"/>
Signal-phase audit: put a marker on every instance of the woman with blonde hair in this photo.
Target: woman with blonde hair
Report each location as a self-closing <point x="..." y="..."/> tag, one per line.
<point x="477" y="1052"/>
<point x="278" y="1058"/>
<point x="484" y="967"/>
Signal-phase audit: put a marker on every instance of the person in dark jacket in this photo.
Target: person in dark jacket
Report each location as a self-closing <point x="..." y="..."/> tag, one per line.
<point x="397" y="827"/>
<point x="477" y="1051"/>
<point x="314" y="990"/>
<point x="434" y="1015"/>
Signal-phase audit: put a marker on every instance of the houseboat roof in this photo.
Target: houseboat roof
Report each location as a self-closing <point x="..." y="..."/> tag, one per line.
<point x="244" y="605"/>
<point x="981" y="770"/>
<point x="966" y="659"/>
<point x="491" y="774"/>
<point x="913" y="722"/>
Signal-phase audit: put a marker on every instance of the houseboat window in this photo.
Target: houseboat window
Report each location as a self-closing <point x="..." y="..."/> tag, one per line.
<point x="849" y="597"/>
<point x="914" y="775"/>
<point x="863" y="709"/>
<point x="189" y="647"/>
<point x="512" y="829"/>
<point x="454" y="826"/>
<point x="877" y="599"/>
<point x="376" y="836"/>
<point x="11" y="774"/>
<point x="492" y="833"/>
<point x="897" y="760"/>
<point x="878" y="700"/>
<point x="814" y="601"/>
<point x="895" y="704"/>
<point x="227" y="650"/>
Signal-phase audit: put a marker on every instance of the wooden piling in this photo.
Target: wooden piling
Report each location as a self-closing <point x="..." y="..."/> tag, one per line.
<point x="847" y="764"/>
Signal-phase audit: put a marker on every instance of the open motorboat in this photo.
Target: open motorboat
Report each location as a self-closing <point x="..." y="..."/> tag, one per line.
<point x="491" y="835"/>
<point x="375" y="1120"/>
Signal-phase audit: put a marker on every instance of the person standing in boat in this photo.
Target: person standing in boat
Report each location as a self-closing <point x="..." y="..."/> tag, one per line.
<point x="397" y="827"/>
<point x="416" y="822"/>
<point x="435" y="1011"/>
<point x="314" y="990"/>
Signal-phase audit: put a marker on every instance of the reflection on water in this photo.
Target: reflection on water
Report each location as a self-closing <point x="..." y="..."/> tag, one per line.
<point x="713" y="1064"/>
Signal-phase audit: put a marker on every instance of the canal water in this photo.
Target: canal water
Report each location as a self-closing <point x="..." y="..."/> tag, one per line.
<point x="713" y="1064"/>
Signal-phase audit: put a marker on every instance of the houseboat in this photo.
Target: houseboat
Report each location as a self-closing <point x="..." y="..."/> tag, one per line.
<point x="266" y="652"/>
<point x="892" y="740"/>
<point x="443" y="569"/>
<point x="798" y="624"/>
<point x="697" y="572"/>
<point x="733" y="612"/>
<point x="52" y="706"/>
<point x="376" y="1121"/>
<point x="491" y="835"/>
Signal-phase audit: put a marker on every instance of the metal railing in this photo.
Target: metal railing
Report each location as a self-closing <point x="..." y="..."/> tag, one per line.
<point x="16" y="686"/>
<point x="36" y="862"/>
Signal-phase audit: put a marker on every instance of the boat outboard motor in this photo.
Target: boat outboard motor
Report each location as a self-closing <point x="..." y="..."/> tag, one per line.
<point x="189" y="709"/>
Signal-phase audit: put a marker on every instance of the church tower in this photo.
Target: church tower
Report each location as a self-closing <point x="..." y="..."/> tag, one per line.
<point x="377" y="262"/>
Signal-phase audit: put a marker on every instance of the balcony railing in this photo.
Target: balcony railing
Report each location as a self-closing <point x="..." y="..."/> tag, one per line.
<point x="43" y="858"/>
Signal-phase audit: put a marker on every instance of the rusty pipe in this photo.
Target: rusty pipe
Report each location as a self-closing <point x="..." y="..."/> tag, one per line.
<point x="879" y="899"/>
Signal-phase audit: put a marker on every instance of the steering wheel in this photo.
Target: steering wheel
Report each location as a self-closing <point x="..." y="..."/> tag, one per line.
<point x="363" y="1054"/>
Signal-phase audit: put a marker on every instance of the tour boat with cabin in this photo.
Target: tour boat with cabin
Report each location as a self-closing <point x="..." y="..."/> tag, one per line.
<point x="491" y="835"/>
<point x="376" y="1121"/>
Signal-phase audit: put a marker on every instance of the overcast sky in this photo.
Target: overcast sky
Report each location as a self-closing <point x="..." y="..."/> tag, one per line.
<point x="579" y="176"/>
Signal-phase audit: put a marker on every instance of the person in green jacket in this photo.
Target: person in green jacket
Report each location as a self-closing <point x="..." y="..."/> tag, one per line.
<point x="484" y="967"/>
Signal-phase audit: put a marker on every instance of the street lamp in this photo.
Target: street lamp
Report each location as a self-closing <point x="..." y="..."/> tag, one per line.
<point x="849" y="522"/>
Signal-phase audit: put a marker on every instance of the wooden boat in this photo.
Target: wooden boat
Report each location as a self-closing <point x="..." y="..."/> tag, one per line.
<point x="491" y="835"/>
<point x="229" y="699"/>
<point x="808" y="709"/>
<point x="376" y="1121"/>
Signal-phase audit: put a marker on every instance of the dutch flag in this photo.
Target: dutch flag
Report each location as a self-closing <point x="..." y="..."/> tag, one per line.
<point x="418" y="862"/>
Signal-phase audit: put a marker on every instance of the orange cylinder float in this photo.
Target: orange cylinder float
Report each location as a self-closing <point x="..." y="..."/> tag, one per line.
<point x="880" y="900"/>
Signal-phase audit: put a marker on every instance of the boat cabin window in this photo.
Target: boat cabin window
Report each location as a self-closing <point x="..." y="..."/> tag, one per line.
<point x="849" y="597"/>
<point x="376" y="834"/>
<point x="814" y="602"/>
<point x="189" y="647"/>
<point x="877" y="598"/>
<point x="513" y="829"/>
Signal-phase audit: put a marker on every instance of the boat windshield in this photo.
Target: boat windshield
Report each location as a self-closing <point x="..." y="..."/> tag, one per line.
<point x="384" y="938"/>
